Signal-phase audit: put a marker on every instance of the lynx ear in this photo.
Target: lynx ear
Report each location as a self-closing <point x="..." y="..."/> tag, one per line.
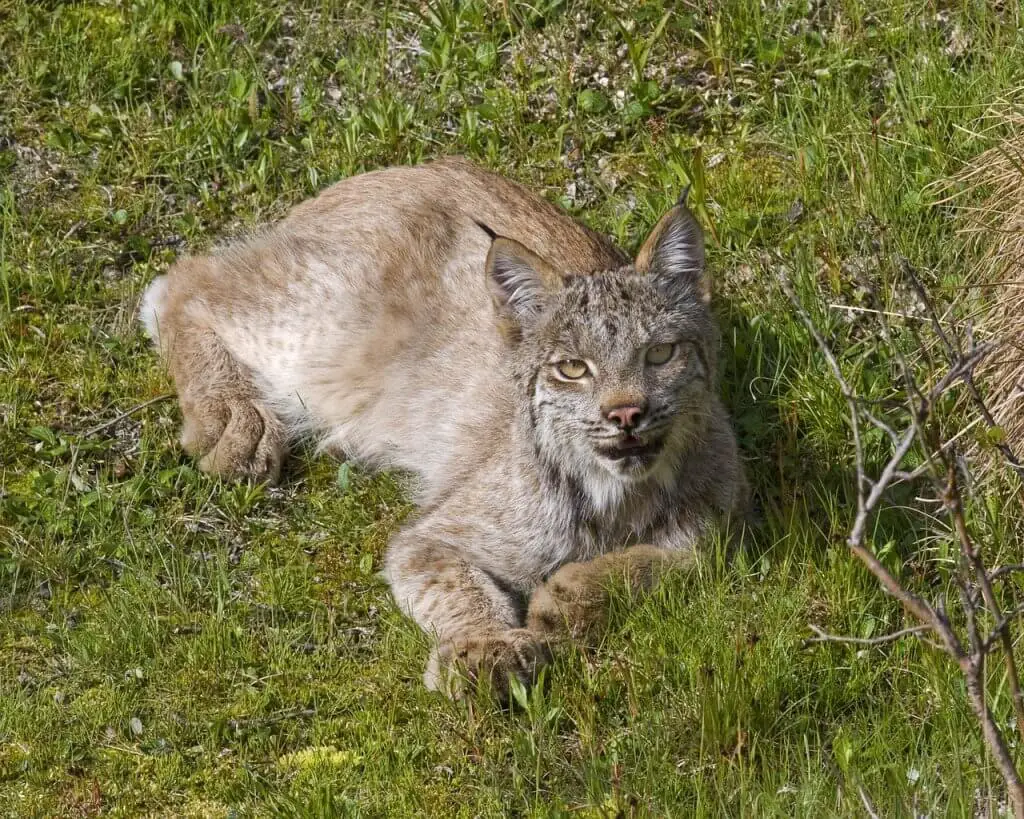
<point x="674" y="254"/>
<point x="520" y="281"/>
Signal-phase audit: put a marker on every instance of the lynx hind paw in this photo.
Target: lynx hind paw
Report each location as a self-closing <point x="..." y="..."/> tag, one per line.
<point x="460" y="667"/>
<point x="251" y="444"/>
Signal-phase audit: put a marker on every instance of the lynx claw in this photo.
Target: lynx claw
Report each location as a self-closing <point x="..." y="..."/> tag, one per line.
<point x="458" y="667"/>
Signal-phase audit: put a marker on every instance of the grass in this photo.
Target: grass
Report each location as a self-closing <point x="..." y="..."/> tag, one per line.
<point x="173" y="645"/>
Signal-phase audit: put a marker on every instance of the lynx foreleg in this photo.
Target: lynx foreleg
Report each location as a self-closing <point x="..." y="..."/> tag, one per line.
<point x="477" y="624"/>
<point x="573" y="602"/>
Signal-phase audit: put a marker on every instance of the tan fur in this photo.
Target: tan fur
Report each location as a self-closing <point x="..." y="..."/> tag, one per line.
<point x="385" y="318"/>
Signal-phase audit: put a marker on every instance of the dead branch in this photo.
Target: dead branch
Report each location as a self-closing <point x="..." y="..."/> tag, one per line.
<point x="974" y="582"/>
<point x="821" y="636"/>
<point x="1001" y="571"/>
<point x="954" y="503"/>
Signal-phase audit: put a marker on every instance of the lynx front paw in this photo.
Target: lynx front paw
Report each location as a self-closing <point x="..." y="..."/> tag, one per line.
<point x="457" y="667"/>
<point x="251" y="445"/>
<point x="572" y="603"/>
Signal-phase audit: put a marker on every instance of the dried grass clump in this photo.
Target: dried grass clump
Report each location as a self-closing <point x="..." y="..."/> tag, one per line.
<point x="996" y="231"/>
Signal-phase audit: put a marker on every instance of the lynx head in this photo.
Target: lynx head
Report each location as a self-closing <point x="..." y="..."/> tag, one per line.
<point x="615" y="369"/>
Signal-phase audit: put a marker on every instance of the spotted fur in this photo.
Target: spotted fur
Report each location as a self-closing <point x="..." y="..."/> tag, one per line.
<point x="416" y="318"/>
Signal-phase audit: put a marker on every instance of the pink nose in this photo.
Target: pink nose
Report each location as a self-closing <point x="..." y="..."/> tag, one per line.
<point x="625" y="417"/>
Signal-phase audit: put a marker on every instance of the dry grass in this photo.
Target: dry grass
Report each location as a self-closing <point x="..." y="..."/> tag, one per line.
<point x="996" y="230"/>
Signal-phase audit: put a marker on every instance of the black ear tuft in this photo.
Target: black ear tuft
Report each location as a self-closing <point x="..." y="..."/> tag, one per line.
<point x="486" y="229"/>
<point x="674" y="254"/>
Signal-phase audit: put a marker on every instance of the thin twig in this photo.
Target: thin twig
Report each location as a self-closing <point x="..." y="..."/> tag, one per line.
<point x="953" y="353"/>
<point x="1000" y="628"/>
<point x="865" y="800"/>
<point x="851" y="401"/>
<point x="128" y="412"/>
<point x="824" y="637"/>
<point x="954" y="503"/>
<point x="869" y="311"/>
<point x="1000" y="571"/>
<point x="880" y="424"/>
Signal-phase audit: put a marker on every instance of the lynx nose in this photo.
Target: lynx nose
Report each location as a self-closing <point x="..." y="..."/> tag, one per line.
<point x="625" y="417"/>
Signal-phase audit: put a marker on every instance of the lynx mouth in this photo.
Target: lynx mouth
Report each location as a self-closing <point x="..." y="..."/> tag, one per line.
<point x="633" y="447"/>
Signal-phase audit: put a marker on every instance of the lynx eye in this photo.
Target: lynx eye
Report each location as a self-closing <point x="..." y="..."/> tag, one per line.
<point x="660" y="354"/>
<point x="572" y="368"/>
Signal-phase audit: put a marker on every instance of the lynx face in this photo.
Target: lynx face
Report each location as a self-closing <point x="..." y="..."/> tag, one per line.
<point x="621" y="371"/>
<point x="616" y="368"/>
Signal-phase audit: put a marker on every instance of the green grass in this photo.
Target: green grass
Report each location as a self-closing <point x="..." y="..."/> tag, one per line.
<point x="173" y="645"/>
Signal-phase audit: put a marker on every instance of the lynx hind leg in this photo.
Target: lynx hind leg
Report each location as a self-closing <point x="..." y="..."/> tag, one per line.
<point x="476" y="623"/>
<point x="573" y="603"/>
<point x="225" y="425"/>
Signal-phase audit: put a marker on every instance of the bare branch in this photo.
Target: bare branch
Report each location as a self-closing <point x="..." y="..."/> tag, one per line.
<point x="954" y="503"/>
<point x="822" y="636"/>
<point x="973" y="581"/>
<point x="953" y="354"/>
<point x="1002" y="571"/>
<point x="999" y="629"/>
<point x="851" y="401"/>
<point x="880" y="424"/>
<point x="993" y="736"/>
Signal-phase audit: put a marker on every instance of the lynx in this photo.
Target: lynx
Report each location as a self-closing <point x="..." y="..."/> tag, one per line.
<point x="555" y="402"/>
